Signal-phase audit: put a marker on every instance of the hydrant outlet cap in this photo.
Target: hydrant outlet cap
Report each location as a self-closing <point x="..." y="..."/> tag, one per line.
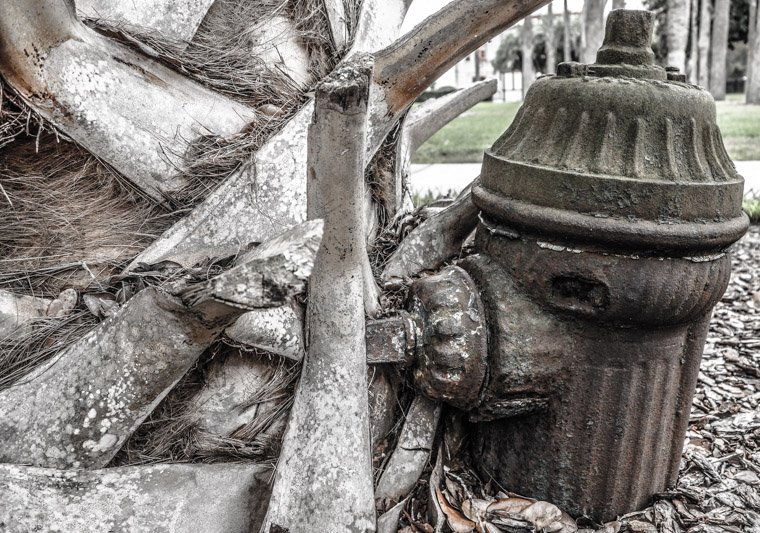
<point x="616" y="153"/>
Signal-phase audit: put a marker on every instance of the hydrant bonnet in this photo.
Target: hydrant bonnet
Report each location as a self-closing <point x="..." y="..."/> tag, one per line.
<point x="617" y="152"/>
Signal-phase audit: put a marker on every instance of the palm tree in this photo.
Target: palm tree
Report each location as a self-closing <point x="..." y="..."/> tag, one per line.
<point x="718" y="48"/>
<point x="593" y="29"/>
<point x="753" y="59"/>
<point x="526" y="45"/>
<point x="677" y="33"/>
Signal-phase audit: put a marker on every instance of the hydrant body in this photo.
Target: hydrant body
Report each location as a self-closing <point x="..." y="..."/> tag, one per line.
<point x="607" y="209"/>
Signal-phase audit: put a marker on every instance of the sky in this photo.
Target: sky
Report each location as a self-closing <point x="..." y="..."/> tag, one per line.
<point x="420" y="9"/>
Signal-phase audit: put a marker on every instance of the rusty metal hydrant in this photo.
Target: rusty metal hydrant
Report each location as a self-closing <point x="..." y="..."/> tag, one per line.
<point x="573" y="336"/>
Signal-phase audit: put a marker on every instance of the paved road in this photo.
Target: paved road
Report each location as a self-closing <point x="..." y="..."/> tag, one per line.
<point x="442" y="178"/>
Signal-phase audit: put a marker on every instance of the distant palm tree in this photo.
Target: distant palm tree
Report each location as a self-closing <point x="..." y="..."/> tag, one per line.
<point x="678" y="32"/>
<point x="753" y="59"/>
<point x="527" y="54"/>
<point x="718" y="49"/>
<point x="592" y="29"/>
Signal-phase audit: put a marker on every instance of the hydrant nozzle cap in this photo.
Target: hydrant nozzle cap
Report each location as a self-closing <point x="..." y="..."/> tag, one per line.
<point x="616" y="153"/>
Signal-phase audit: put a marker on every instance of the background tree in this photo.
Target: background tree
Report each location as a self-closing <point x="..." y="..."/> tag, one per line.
<point x="703" y="43"/>
<point x="566" y="53"/>
<point x="592" y="30"/>
<point x="753" y="54"/>
<point x="677" y="32"/>
<point x="693" y="65"/>
<point x="526" y="46"/>
<point x="550" y="42"/>
<point x="718" y="49"/>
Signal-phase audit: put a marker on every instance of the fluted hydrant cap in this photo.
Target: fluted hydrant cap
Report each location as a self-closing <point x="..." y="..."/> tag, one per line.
<point x="618" y="153"/>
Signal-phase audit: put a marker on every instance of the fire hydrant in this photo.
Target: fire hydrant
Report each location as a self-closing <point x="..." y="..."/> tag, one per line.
<point x="578" y="325"/>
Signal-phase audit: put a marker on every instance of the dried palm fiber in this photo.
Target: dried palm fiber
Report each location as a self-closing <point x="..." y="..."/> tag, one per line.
<point x="44" y="338"/>
<point x="233" y="51"/>
<point x="173" y="432"/>
<point x="257" y="402"/>
<point x="72" y="221"/>
<point x="69" y="220"/>
<point x="221" y="58"/>
<point x="246" y="50"/>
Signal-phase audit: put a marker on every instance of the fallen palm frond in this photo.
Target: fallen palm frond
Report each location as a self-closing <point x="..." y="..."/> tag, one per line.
<point x="72" y="221"/>
<point x="175" y="432"/>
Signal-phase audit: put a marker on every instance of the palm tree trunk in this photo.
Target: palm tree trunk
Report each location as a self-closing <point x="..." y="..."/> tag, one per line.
<point x="703" y="43"/>
<point x="678" y="33"/>
<point x="593" y="29"/>
<point x="551" y="46"/>
<point x="567" y="51"/>
<point x="718" y="48"/>
<point x="753" y="59"/>
<point x="692" y="67"/>
<point x="527" y="55"/>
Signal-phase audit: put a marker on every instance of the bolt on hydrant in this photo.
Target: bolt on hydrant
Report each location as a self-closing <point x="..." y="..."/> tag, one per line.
<point x="573" y="336"/>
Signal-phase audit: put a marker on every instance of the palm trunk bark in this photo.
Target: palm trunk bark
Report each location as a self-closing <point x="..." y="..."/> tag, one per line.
<point x="551" y="46"/>
<point x="568" y="51"/>
<point x="678" y="33"/>
<point x="703" y="43"/>
<point x="753" y="59"/>
<point x="324" y="475"/>
<point x="719" y="45"/>
<point x="692" y="67"/>
<point x="526" y="45"/>
<point x="593" y="29"/>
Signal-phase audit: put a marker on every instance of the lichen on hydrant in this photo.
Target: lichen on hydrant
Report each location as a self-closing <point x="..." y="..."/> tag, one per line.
<point x="607" y="211"/>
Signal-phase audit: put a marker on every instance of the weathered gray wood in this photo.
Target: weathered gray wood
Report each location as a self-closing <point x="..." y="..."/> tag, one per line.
<point x="79" y="408"/>
<point x="131" y="111"/>
<point x="175" y="20"/>
<point x="278" y="330"/>
<point x="388" y="521"/>
<point x="324" y="475"/>
<point x="273" y="40"/>
<point x="408" y="67"/>
<point x="379" y="24"/>
<point x="17" y="310"/>
<point x="222" y="498"/>
<point x="238" y="394"/>
<point x="271" y="193"/>
<point x="232" y="398"/>
<point x="411" y="453"/>
<point x="434" y="241"/>
<point x="336" y="17"/>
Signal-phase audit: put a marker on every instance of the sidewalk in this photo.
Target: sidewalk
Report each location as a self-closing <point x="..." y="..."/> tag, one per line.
<point x="442" y="178"/>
